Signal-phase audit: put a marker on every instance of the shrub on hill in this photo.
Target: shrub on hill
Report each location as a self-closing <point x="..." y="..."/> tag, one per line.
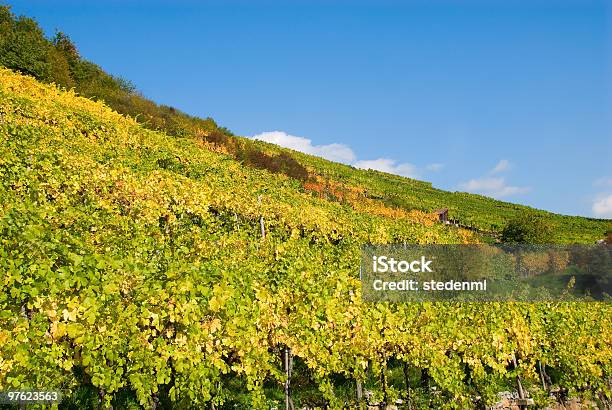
<point x="282" y="163"/>
<point x="23" y="45"/>
<point x="527" y="228"/>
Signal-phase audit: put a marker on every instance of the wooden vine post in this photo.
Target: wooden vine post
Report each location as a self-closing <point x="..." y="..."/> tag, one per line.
<point x="384" y="381"/>
<point x="288" y="365"/>
<point x="261" y="220"/>
<point x="522" y="401"/>
<point x="359" y="388"/>
<point x="407" y="382"/>
<point x="236" y="220"/>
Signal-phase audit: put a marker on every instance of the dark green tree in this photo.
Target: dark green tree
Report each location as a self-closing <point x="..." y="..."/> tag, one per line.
<point x="63" y="44"/>
<point x="528" y="228"/>
<point x="23" y="45"/>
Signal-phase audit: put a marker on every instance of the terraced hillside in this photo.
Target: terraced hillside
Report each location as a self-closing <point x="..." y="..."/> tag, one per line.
<point x="141" y="269"/>
<point x="481" y="212"/>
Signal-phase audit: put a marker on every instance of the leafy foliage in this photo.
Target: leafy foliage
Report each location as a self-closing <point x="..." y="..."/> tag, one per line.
<point x="527" y="228"/>
<point x="134" y="272"/>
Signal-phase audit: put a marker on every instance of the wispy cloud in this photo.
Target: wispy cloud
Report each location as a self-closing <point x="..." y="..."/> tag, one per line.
<point x="390" y="166"/>
<point x="434" y="167"/>
<point x="602" y="204"/>
<point x="602" y="207"/>
<point x="495" y="187"/>
<point x="333" y="152"/>
<point x="603" y="182"/>
<point x="343" y="153"/>
<point x="502" y="165"/>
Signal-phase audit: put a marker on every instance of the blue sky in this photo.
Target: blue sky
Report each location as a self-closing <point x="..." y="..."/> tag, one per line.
<point x="507" y="98"/>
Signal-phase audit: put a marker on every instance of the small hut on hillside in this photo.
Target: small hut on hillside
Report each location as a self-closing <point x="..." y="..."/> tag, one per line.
<point x="442" y="215"/>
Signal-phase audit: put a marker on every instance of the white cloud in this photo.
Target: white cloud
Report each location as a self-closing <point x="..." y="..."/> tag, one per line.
<point x="502" y="165"/>
<point x="343" y="153"/>
<point x="332" y="152"/>
<point x="388" y="165"/>
<point x="495" y="187"/>
<point x="434" y="167"/>
<point x="602" y="207"/>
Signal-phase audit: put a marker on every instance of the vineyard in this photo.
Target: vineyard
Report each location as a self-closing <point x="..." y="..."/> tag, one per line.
<point x="141" y="269"/>
<point x="480" y="212"/>
<point x="24" y="48"/>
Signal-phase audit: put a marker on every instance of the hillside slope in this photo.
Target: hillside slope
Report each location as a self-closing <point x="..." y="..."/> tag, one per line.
<point x="480" y="212"/>
<point x="23" y="47"/>
<point x="135" y="271"/>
